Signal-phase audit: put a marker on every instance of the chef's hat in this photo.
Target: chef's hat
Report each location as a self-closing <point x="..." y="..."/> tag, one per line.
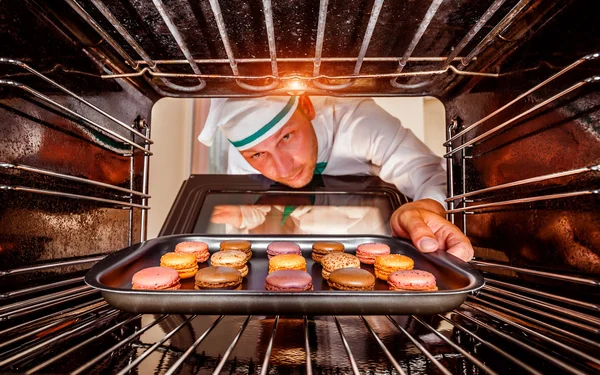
<point x="249" y="121"/>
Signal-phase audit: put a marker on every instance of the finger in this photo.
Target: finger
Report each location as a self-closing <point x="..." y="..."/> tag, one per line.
<point x="419" y="232"/>
<point x="459" y="245"/>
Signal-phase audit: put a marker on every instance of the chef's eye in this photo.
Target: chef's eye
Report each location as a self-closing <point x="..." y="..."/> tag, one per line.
<point x="287" y="136"/>
<point x="256" y="156"/>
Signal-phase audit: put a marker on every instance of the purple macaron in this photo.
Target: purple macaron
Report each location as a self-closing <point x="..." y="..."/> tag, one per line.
<point x="289" y="280"/>
<point x="281" y="248"/>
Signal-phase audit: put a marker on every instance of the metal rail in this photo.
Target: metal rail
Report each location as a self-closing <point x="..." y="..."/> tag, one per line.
<point x="39" y="267"/>
<point x="523" y="95"/>
<point x="116" y="136"/>
<point x="470" y="209"/>
<point x="229" y="349"/>
<point x="538" y="335"/>
<point x="33" y="301"/>
<point x="551" y="275"/>
<point x="555" y="297"/>
<point x="307" y="348"/>
<point x="494" y="130"/>
<point x="321" y="37"/>
<point x="151" y="349"/>
<point x="431" y="11"/>
<point x="72" y="196"/>
<point x="522" y="344"/>
<point x="26" y="310"/>
<point x="216" y="9"/>
<point x="173" y="369"/>
<point x="495" y="348"/>
<point x="140" y="51"/>
<point x="69" y="177"/>
<point x="39" y="288"/>
<point x="572" y="172"/>
<point x="264" y="369"/>
<point x="110" y="350"/>
<point x="383" y="348"/>
<point x="347" y="347"/>
<point x="72" y="94"/>
<point x="456" y="347"/>
<point x="377" y="5"/>
<point x="304" y="59"/>
<point x="426" y="352"/>
<point x="81" y="345"/>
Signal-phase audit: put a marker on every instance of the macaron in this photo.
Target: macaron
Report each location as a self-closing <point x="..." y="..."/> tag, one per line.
<point x="351" y="279"/>
<point x="287" y="262"/>
<point x="335" y="261"/>
<point x="199" y="249"/>
<point x="240" y="245"/>
<point x="368" y="251"/>
<point x="230" y="258"/>
<point x="156" y="278"/>
<point x="289" y="280"/>
<point x="183" y="263"/>
<point x="413" y="280"/>
<point x="320" y="249"/>
<point x="218" y="278"/>
<point x="281" y="248"/>
<point x="386" y="264"/>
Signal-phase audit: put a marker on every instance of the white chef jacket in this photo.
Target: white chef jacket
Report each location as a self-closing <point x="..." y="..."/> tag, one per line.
<point x="357" y="137"/>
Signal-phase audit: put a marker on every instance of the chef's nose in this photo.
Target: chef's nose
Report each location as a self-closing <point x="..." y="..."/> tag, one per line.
<point x="283" y="163"/>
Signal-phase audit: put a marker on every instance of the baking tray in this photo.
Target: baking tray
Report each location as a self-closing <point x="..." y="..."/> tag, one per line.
<point x="112" y="276"/>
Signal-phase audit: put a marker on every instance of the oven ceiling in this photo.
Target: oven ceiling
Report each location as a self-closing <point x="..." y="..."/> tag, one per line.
<point x="412" y="47"/>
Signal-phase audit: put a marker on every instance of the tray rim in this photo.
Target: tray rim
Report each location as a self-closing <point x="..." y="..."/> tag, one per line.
<point x="475" y="278"/>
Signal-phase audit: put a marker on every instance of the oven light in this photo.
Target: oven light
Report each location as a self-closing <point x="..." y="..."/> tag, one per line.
<point x="296" y="87"/>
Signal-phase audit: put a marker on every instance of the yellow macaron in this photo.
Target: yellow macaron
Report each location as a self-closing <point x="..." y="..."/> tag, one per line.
<point x="287" y="262"/>
<point x="386" y="264"/>
<point x="185" y="264"/>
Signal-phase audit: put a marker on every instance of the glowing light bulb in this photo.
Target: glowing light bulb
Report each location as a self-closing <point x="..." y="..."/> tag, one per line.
<point x="296" y="85"/>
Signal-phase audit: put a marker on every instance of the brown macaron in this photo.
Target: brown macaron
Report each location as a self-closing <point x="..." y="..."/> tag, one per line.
<point x="334" y="261"/>
<point x="320" y="249"/>
<point x="386" y="264"/>
<point x="239" y="245"/>
<point x="218" y="278"/>
<point x="287" y="262"/>
<point x="351" y="279"/>
<point x="230" y="258"/>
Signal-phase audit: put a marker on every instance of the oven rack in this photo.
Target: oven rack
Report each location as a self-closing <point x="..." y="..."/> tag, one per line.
<point x="282" y="84"/>
<point x="530" y="320"/>
<point x="130" y="194"/>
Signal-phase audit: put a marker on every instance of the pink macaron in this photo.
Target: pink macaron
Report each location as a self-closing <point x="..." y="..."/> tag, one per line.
<point x="156" y="278"/>
<point x="199" y="249"/>
<point x="367" y="252"/>
<point x="283" y="247"/>
<point x="412" y="280"/>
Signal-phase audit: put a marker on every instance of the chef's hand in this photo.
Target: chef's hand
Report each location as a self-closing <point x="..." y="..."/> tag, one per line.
<point x="424" y="223"/>
<point x="225" y="214"/>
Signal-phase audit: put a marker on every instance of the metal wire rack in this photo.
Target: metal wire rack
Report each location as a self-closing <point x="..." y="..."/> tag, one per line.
<point x="316" y="83"/>
<point x="507" y="327"/>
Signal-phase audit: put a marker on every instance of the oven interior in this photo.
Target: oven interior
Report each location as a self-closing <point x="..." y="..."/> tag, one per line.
<point x="518" y="79"/>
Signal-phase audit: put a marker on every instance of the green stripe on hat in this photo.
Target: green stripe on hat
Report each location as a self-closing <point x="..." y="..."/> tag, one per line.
<point x="260" y="132"/>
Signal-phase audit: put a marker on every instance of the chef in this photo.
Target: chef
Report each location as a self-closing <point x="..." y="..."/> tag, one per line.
<point x="289" y="139"/>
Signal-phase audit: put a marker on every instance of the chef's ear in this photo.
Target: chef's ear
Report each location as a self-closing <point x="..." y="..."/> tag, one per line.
<point x="306" y="106"/>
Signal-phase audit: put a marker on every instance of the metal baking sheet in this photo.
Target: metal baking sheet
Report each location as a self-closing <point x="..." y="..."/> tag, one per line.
<point x="112" y="276"/>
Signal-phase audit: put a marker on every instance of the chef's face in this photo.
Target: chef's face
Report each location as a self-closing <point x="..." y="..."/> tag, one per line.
<point x="290" y="155"/>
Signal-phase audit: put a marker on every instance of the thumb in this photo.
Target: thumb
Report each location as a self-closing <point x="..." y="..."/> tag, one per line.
<point x="419" y="232"/>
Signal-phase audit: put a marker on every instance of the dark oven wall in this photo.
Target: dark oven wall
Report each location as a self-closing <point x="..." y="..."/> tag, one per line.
<point x="67" y="170"/>
<point x="557" y="224"/>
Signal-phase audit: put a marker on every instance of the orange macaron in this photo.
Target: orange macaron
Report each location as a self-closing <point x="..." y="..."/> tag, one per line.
<point x="386" y="264"/>
<point x="287" y="262"/>
<point x="185" y="264"/>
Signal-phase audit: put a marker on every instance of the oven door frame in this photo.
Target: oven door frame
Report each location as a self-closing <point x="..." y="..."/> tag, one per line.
<point x="189" y="201"/>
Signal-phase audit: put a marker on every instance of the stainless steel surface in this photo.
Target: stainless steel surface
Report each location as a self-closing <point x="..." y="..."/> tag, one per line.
<point x="79" y="98"/>
<point x="472" y="209"/>
<point x="522" y="96"/>
<point x="46" y="99"/>
<point x="68" y="177"/>
<point x="523" y="114"/>
<point x="72" y="196"/>
<point x="593" y="168"/>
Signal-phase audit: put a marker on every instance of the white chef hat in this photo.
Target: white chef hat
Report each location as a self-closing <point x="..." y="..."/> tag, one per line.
<point x="249" y="121"/>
